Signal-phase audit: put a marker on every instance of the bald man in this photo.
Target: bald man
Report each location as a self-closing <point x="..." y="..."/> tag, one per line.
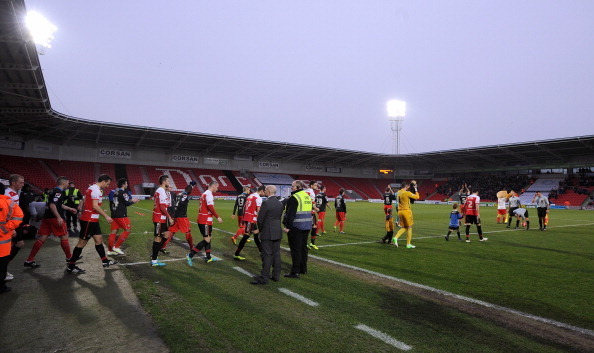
<point x="271" y="233"/>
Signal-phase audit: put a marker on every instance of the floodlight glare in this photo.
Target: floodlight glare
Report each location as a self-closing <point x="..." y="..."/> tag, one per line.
<point x="42" y="30"/>
<point x="396" y="109"/>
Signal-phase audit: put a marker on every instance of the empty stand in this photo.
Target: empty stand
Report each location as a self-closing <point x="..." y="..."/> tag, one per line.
<point x="134" y="175"/>
<point x="205" y="176"/>
<point x="30" y="168"/>
<point x="573" y="198"/>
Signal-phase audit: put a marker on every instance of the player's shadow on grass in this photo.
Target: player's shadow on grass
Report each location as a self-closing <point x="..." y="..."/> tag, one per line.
<point x="111" y="298"/>
<point x="62" y="295"/>
<point x="431" y="316"/>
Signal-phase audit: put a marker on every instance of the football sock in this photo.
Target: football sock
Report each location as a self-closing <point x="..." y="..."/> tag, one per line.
<point x="14" y="250"/>
<point x="517" y="223"/>
<point x="207" y="250"/>
<point x="540" y="222"/>
<point x="38" y="244"/>
<point x="479" y="230"/>
<point x="197" y="248"/>
<point x="458" y="232"/>
<point x="101" y="251"/>
<point x="341" y="226"/>
<point x="258" y="242"/>
<point x="75" y="256"/>
<point x="408" y="236"/>
<point x="167" y="241"/>
<point x="156" y="248"/>
<point x="467" y="231"/>
<point x="189" y="239"/>
<point x="400" y="232"/>
<point x="527" y="225"/>
<point x="449" y="232"/>
<point x="240" y="231"/>
<point x="242" y="242"/>
<point x="111" y="241"/>
<point x="66" y="247"/>
<point x="122" y="239"/>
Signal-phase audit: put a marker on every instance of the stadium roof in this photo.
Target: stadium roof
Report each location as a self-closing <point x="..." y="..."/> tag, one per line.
<point x="25" y="111"/>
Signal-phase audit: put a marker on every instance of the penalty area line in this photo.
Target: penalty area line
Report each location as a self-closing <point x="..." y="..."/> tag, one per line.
<point x="298" y="297"/>
<point x="384" y="337"/>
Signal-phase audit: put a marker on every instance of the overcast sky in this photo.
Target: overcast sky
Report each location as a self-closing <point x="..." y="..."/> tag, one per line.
<point x="319" y="72"/>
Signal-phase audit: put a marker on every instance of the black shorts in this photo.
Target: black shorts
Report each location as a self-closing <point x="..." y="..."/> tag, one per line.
<point x="542" y="212"/>
<point x="250" y="227"/>
<point x="89" y="229"/>
<point x="160" y="228"/>
<point x="471" y="219"/>
<point x="525" y="214"/>
<point x="453" y="228"/>
<point x="205" y="230"/>
<point x="511" y="210"/>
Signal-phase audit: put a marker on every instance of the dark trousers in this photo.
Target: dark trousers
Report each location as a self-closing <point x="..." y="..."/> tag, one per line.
<point x="3" y="269"/>
<point x="71" y="219"/>
<point x="270" y="258"/>
<point x="298" y="244"/>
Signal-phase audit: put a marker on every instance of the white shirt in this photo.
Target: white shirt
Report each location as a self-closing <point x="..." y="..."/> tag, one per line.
<point x="501" y="203"/>
<point x="14" y="195"/>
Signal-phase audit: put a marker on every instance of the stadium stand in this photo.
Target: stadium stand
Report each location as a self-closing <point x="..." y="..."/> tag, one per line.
<point x="82" y="173"/>
<point x="363" y="187"/>
<point x="332" y="186"/>
<point x="31" y="169"/>
<point x="134" y="175"/>
<point x="205" y="176"/>
<point x="246" y="181"/>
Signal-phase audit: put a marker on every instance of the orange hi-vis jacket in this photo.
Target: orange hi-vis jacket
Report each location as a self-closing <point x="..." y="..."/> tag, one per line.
<point x="11" y="216"/>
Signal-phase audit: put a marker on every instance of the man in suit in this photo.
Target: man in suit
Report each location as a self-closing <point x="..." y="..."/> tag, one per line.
<point x="271" y="233"/>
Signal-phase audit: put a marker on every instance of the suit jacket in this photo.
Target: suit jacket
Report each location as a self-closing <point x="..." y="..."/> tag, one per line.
<point x="269" y="219"/>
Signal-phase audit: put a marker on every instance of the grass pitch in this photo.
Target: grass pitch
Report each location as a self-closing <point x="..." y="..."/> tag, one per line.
<point x="213" y="308"/>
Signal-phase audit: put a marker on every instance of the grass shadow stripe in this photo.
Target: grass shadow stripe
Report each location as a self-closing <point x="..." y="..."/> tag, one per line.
<point x="458" y="296"/>
<point x="298" y="297"/>
<point x="384" y="337"/>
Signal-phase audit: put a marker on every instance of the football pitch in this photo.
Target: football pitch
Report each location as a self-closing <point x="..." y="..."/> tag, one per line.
<point x="527" y="291"/>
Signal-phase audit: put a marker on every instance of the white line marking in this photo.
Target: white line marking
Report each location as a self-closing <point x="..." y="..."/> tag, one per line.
<point x="384" y="337"/>
<point x="247" y="273"/>
<point x="148" y="262"/>
<point x="460" y="297"/>
<point x="298" y="297"/>
<point x="343" y="244"/>
<point x="167" y="260"/>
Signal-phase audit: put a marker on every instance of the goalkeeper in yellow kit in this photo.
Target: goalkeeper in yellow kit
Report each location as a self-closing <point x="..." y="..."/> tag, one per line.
<point x="405" y="195"/>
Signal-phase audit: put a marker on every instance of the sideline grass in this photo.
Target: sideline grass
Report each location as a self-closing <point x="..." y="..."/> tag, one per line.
<point x="209" y="306"/>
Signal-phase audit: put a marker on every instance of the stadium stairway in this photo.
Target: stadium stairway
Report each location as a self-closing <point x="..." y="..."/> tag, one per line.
<point x="236" y="184"/>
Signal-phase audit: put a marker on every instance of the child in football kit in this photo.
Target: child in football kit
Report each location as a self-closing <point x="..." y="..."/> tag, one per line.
<point x="455" y="217"/>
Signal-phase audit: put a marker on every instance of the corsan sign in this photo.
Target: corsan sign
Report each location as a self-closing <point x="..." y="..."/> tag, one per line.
<point x="108" y="153"/>
<point x="184" y="159"/>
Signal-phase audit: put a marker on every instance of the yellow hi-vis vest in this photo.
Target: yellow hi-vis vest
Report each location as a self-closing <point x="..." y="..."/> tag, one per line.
<point x="303" y="218"/>
<point x="74" y="192"/>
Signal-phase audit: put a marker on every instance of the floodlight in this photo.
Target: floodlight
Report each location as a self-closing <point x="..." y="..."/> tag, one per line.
<point x="396" y="109"/>
<point x="41" y="30"/>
